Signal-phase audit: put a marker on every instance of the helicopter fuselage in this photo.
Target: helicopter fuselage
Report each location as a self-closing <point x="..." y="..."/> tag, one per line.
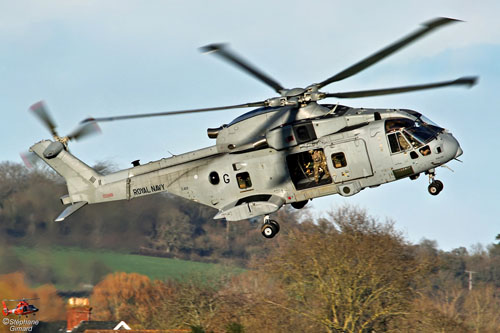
<point x="342" y="151"/>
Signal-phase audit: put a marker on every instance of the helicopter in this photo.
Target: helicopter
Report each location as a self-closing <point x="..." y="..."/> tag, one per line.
<point x="288" y="150"/>
<point x="23" y="308"/>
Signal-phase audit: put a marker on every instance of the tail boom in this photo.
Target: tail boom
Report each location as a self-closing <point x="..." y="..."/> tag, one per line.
<point x="85" y="185"/>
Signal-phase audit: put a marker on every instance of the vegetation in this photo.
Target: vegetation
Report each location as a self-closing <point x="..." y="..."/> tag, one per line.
<point x="347" y="273"/>
<point x="344" y="273"/>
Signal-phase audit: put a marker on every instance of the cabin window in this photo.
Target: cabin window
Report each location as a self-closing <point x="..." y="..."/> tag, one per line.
<point x="244" y="180"/>
<point x="339" y="160"/>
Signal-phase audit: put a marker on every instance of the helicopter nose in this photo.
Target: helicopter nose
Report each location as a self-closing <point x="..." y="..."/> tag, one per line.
<point x="451" y="147"/>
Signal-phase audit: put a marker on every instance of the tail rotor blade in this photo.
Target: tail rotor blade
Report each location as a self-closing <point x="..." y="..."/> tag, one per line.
<point x="29" y="159"/>
<point x="85" y="130"/>
<point x="40" y="110"/>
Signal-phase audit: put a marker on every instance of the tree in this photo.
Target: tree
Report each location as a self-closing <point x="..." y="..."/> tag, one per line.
<point x="118" y="296"/>
<point x="351" y="275"/>
<point x="439" y="311"/>
<point x="482" y="309"/>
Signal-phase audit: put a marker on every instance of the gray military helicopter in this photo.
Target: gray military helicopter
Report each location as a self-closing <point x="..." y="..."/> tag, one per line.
<point x="288" y="150"/>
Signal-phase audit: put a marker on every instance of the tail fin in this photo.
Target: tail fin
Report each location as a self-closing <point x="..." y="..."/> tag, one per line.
<point x="81" y="179"/>
<point x="5" y="310"/>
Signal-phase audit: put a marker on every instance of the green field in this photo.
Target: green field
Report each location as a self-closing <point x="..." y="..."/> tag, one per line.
<point x="70" y="268"/>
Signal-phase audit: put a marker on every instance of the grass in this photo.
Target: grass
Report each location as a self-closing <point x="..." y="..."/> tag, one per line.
<point x="71" y="267"/>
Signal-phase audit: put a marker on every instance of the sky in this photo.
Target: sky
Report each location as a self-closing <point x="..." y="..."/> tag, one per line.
<point x="104" y="58"/>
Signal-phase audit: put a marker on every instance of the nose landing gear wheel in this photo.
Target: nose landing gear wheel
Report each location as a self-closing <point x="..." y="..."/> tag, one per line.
<point x="270" y="228"/>
<point x="435" y="187"/>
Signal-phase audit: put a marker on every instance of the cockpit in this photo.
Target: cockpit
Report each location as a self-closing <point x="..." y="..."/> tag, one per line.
<point x="404" y="134"/>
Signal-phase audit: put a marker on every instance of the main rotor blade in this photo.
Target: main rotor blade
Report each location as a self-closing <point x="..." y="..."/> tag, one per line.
<point x="222" y="51"/>
<point x="367" y="62"/>
<point x="467" y="81"/>
<point x="171" y="113"/>
<point x="84" y="130"/>
<point x="40" y="110"/>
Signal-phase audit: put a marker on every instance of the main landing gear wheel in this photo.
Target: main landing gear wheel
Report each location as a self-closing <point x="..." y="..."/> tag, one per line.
<point x="270" y="228"/>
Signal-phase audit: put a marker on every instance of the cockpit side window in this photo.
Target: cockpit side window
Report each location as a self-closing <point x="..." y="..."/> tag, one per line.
<point x="393" y="142"/>
<point x="414" y="142"/>
<point x="397" y="142"/>
<point x="402" y="141"/>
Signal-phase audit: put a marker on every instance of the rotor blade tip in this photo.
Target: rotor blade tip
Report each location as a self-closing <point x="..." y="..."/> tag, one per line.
<point x="474" y="80"/>
<point x="469" y="80"/>
<point x="438" y="21"/>
<point x="87" y="120"/>
<point x="37" y="105"/>
<point x="211" y="48"/>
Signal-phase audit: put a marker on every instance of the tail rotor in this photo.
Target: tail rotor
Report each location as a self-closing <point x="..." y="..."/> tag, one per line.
<point x="41" y="112"/>
<point x="89" y="128"/>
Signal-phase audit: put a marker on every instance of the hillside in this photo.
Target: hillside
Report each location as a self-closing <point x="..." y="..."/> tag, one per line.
<point x="73" y="268"/>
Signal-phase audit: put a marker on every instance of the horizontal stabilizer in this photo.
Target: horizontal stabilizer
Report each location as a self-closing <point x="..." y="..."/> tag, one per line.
<point x="70" y="210"/>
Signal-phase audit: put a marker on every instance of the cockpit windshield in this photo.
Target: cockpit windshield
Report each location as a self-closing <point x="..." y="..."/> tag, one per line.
<point x="426" y="120"/>
<point x="423" y="133"/>
<point x="414" y="131"/>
